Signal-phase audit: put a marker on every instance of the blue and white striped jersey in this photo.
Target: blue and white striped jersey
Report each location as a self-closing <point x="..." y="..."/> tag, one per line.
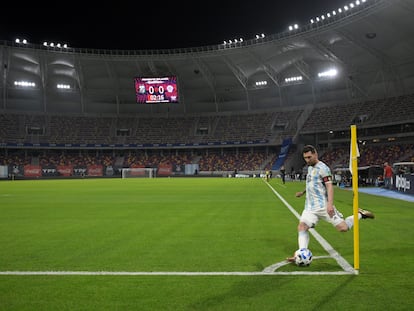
<point x="316" y="194"/>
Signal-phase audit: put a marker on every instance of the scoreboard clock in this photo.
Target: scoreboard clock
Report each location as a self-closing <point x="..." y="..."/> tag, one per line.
<point x="156" y="90"/>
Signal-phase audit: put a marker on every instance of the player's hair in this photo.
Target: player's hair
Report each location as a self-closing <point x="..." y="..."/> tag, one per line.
<point x="308" y="148"/>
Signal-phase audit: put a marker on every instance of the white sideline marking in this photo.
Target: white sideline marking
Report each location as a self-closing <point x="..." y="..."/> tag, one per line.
<point x="166" y="273"/>
<point x="332" y="252"/>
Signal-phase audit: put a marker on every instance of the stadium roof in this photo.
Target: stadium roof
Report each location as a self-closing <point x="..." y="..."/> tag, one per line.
<point x="371" y="47"/>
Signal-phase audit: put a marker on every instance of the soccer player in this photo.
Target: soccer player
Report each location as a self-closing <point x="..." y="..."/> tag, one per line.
<point x="319" y="200"/>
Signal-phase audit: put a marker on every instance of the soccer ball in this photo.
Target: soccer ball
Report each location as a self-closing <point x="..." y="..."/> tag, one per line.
<point x="303" y="257"/>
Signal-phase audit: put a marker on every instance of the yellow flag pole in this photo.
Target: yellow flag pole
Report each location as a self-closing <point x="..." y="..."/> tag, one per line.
<point x="354" y="163"/>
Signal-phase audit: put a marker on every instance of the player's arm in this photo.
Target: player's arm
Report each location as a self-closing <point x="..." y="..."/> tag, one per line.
<point x="330" y="193"/>
<point x="300" y="193"/>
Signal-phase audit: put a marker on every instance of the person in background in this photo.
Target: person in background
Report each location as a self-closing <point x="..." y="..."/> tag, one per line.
<point x="267" y="175"/>
<point x="387" y="176"/>
<point x="283" y="173"/>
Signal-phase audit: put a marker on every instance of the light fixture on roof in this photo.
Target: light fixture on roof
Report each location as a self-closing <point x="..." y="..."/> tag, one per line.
<point x="52" y="45"/>
<point x="328" y="73"/>
<point x="20" y="41"/>
<point x="293" y="79"/>
<point x="24" y="83"/>
<point x="63" y="86"/>
<point x="293" y="27"/>
<point x="261" y="83"/>
<point x="345" y="8"/>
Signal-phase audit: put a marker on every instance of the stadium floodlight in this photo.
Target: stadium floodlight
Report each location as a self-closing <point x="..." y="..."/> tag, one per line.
<point x="53" y="45"/>
<point x="23" y="41"/>
<point x="293" y="79"/>
<point x="261" y="83"/>
<point x="328" y="73"/>
<point x="293" y="27"/>
<point x="63" y="86"/>
<point x="24" y="83"/>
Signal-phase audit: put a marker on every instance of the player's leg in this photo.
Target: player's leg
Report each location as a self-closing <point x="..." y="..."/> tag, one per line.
<point x="347" y="224"/>
<point x="307" y="220"/>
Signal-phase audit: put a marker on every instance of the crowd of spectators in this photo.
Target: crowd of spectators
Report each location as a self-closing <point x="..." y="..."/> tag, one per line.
<point x="369" y="154"/>
<point x="210" y="160"/>
<point x="219" y="159"/>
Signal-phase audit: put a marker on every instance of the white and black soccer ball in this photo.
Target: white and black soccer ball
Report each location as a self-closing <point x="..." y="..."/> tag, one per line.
<point x="303" y="257"/>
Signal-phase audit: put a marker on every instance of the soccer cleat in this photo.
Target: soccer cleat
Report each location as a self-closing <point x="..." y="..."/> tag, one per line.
<point x="291" y="259"/>
<point x="366" y="214"/>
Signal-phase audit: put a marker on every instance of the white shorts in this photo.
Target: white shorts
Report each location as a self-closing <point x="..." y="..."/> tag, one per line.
<point x="311" y="218"/>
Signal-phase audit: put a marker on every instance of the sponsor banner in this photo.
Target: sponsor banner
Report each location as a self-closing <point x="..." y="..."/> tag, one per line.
<point x="95" y="170"/>
<point x="179" y="169"/>
<point x="32" y="171"/>
<point x="4" y="171"/>
<point x="92" y="146"/>
<point x="16" y="170"/>
<point x="79" y="170"/>
<point x="164" y="170"/>
<point x="109" y="171"/>
<point x="404" y="183"/>
<point x="65" y="170"/>
<point x="49" y="170"/>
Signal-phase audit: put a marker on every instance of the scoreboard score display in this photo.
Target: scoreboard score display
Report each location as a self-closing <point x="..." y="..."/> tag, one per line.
<point x="156" y="90"/>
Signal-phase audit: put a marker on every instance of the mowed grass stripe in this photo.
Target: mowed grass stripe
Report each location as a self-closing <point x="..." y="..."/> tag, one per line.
<point x="163" y="224"/>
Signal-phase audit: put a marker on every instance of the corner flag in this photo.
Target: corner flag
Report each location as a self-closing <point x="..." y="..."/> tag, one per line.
<point x="353" y="167"/>
<point x="353" y="156"/>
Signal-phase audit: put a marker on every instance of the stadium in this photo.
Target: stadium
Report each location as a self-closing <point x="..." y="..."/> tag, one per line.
<point x="80" y="231"/>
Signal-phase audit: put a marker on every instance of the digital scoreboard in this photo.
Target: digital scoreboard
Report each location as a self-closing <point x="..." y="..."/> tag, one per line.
<point x="156" y="90"/>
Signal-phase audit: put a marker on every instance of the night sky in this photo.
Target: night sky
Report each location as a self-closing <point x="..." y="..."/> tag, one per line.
<point x="156" y="24"/>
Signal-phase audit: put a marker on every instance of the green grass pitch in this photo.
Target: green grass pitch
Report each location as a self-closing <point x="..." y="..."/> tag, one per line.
<point x="217" y="225"/>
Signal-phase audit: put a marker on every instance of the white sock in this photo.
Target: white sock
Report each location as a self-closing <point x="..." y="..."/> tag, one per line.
<point x="303" y="239"/>
<point x="350" y="220"/>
